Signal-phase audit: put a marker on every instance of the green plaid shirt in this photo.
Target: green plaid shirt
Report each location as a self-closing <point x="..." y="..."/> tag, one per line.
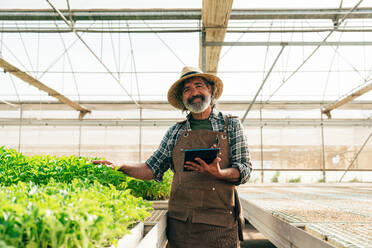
<point x="161" y="160"/>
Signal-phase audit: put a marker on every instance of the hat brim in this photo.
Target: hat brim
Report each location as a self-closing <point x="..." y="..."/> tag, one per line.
<point x="172" y="92"/>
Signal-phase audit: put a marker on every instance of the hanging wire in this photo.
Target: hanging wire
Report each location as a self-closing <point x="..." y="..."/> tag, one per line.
<point x="102" y="23"/>
<point x="267" y="51"/>
<point x="63" y="74"/>
<point x="313" y="52"/>
<point x="164" y="43"/>
<point x="266" y="55"/>
<point x="2" y="37"/>
<point x="93" y="53"/>
<point x="239" y="38"/>
<point x="20" y="113"/>
<point x="37" y="52"/>
<point x="24" y="48"/>
<point x="364" y="54"/>
<point x="263" y="82"/>
<point x="113" y="51"/>
<point x="139" y="97"/>
<point x="119" y="52"/>
<point x="284" y="71"/>
<point x="346" y="60"/>
<point x="36" y="74"/>
<point x="302" y="36"/>
<point x="15" y="88"/>
<point x="70" y="63"/>
<point x="14" y="56"/>
<point x="330" y="69"/>
<point x="134" y="63"/>
<point x="369" y="72"/>
<point x="61" y="55"/>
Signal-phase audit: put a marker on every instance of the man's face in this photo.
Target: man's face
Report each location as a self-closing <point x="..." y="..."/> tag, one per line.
<point x="196" y="95"/>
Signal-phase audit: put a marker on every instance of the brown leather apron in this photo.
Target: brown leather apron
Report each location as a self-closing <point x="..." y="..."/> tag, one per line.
<point x="199" y="202"/>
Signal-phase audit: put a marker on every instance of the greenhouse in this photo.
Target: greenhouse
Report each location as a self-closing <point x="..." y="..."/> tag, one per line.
<point x="88" y="80"/>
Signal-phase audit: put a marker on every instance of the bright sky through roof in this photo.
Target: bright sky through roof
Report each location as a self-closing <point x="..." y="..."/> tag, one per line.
<point x="158" y="58"/>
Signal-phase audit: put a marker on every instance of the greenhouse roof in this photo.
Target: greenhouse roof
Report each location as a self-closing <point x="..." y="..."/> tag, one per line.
<point x="272" y="53"/>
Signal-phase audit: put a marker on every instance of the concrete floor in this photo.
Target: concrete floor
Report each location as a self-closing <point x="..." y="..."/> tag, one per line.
<point x="254" y="239"/>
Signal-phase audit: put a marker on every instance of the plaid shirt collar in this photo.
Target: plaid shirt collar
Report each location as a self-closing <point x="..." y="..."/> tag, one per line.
<point x="213" y="117"/>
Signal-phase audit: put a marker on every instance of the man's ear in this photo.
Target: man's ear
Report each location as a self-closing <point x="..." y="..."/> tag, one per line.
<point x="210" y="87"/>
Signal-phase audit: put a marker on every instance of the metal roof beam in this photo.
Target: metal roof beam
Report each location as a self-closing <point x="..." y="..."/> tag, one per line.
<point x="36" y="83"/>
<point x="165" y="106"/>
<point x="153" y="29"/>
<point x="178" y="14"/>
<point x="327" y="110"/>
<point x="287" y="14"/>
<point x="166" y="122"/>
<point x="290" y="43"/>
<point x="100" y="14"/>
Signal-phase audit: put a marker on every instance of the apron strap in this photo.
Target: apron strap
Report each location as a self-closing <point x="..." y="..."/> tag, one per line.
<point x="226" y="123"/>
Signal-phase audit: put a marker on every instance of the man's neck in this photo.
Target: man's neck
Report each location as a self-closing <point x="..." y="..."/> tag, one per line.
<point x="203" y="115"/>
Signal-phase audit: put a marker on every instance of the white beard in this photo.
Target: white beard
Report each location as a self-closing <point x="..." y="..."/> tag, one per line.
<point x="198" y="107"/>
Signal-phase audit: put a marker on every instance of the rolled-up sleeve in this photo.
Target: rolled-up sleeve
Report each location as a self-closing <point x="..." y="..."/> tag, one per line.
<point x="161" y="159"/>
<point x="240" y="157"/>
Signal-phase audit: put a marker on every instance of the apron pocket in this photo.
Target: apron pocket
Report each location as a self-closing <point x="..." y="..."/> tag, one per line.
<point x="213" y="217"/>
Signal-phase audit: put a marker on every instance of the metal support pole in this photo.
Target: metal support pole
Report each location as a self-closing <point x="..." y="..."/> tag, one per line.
<point x="79" y="147"/>
<point x="20" y="127"/>
<point x="140" y="137"/>
<point x="204" y="52"/>
<point x="323" y="149"/>
<point x="356" y="156"/>
<point x="261" y="148"/>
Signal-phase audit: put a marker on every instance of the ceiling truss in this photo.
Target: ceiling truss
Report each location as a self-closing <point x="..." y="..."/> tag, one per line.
<point x="164" y="105"/>
<point x="254" y="122"/>
<point x="36" y="83"/>
<point x="177" y="14"/>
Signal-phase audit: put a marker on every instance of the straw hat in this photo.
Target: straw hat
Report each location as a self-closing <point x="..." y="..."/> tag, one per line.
<point x="188" y="72"/>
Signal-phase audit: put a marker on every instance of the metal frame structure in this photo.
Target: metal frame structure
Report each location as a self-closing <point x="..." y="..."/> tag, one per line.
<point x="253" y="122"/>
<point x="178" y="14"/>
<point x="72" y="18"/>
<point x="164" y="105"/>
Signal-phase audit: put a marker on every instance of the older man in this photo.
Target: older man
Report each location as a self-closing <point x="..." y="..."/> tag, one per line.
<point x="203" y="210"/>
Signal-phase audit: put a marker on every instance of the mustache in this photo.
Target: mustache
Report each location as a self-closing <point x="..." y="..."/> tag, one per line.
<point x="191" y="99"/>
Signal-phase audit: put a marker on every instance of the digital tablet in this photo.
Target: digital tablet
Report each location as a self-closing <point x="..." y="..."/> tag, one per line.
<point x="208" y="155"/>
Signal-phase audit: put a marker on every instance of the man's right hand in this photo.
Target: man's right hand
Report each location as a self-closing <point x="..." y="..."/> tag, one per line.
<point x="139" y="171"/>
<point x="105" y="162"/>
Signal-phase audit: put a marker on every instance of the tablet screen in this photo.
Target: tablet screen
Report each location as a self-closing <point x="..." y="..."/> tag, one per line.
<point x="208" y="155"/>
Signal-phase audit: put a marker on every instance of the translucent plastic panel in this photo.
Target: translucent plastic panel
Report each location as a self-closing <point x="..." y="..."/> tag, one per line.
<point x="342" y="146"/>
<point x="290" y="147"/>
